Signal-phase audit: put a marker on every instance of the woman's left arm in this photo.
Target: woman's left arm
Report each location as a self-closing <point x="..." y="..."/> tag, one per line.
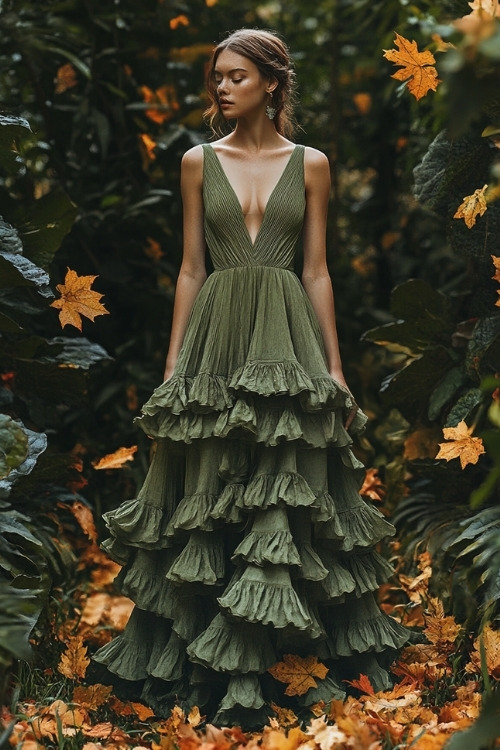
<point x="315" y="277"/>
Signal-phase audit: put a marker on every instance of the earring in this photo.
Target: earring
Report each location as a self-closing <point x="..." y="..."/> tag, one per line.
<point x="270" y="110"/>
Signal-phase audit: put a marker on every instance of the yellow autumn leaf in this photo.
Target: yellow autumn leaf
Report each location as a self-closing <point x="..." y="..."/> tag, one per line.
<point x="472" y="206"/>
<point x="461" y="445"/>
<point x="491" y="642"/>
<point x="298" y="673"/>
<point x="77" y="299"/>
<point x="74" y="660"/>
<point x="115" y="460"/>
<point x="416" y="67"/>
<point x="441" y="45"/>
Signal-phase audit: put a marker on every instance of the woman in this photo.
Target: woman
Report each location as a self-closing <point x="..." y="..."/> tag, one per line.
<point x="249" y="539"/>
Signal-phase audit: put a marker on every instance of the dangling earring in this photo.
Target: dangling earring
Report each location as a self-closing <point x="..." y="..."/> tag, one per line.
<point x="270" y="110"/>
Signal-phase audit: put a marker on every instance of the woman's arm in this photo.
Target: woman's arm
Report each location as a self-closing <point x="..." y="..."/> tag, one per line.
<point x="315" y="277"/>
<point x="192" y="274"/>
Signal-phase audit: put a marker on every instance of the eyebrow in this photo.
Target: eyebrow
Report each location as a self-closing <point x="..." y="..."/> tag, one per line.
<point x="230" y="72"/>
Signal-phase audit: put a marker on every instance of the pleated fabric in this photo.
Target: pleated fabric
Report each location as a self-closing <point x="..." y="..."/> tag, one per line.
<point x="249" y="539"/>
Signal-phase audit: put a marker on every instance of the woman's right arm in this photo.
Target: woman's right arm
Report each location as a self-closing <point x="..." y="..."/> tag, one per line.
<point x="192" y="274"/>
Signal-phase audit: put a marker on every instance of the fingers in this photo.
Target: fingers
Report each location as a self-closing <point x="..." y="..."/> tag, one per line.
<point x="350" y="417"/>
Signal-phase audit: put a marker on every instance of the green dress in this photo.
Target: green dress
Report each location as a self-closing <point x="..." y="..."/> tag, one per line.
<point x="249" y="539"/>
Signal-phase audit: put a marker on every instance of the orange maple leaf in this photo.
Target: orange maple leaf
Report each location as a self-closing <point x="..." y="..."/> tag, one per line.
<point x="117" y="459"/>
<point x="363" y="685"/>
<point x="78" y="299"/>
<point x="417" y="67"/>
<point x="298" y="673"/>
<point x="462" y="445"/>
<point x="472" y="206"/>
<point x="74" y="661"/>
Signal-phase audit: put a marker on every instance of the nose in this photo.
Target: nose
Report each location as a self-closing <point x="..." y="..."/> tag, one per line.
<point x="221" y="86"/>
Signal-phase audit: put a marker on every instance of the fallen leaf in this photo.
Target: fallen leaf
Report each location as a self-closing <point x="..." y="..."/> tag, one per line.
<point x="327" y="736"/>
<point x="417" y="67"/>
<point x="74" y="661"/>
<point x="78" y="299"/>
<point x="285" y="717"/>
<point x="142" y="712"/>
<point x="472" y="206"/>
<point x="298" y="673"/>
<point x="491" y="641"/>
<point x="363" y="685"/>
<point x="462" y="445"/>
<point x="117" y="459"/>
<point x="92" y="696"/>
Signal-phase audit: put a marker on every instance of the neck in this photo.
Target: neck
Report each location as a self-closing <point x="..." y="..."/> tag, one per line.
<point x="257" y="135"/>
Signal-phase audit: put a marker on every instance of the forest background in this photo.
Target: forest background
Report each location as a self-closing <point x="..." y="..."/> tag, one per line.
<point x="99" y="102"/>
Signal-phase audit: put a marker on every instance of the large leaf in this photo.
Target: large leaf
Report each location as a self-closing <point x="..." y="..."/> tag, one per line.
<point x="15" y="268"/>
<point x="19" y="612"/>
<point x="483" y="351"/>
<point x="423" y="319"/>
<point x="11" y="128"/>
<point x="43" y="225"/>
<point x="37" y="442"/>
<point x="13" y="445"/>
<point x="409" y="388"/>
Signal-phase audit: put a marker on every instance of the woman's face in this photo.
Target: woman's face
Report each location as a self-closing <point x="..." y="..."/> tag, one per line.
<point x="241" y="89"/>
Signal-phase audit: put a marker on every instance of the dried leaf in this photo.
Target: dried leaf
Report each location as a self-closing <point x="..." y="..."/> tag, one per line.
<point x="92" y="696"/>
<point x="462" y="445"/>
<point x="285" y="717"/>
<point x="441" y="45"/>
<point x="78" y="299"/>
<point x="74" y="661"/>
<point x="417" y="67"/>
<point x="85" y="518"/>
<point x="363" y="102"/>
<point x="117" y="459"/>
<point x="153" y="249"/>
<point x="491" y="641"/>
<point x="472" y="206"/>
<point x="363" y="685"/>
<point x="142" y="712"/>
<point x="298" y="673"/>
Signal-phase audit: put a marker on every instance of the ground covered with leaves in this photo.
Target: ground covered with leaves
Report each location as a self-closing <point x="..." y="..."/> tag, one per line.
<point x="443" y="688"/>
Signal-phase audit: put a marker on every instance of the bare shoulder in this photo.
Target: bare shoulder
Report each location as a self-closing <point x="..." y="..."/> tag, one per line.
<point x="192" y="164"/>
<point x="193" y="158"/>
<point x="315" y="160"/>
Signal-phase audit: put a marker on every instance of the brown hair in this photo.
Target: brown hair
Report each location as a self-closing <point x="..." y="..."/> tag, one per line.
<point x="272" y="58"/>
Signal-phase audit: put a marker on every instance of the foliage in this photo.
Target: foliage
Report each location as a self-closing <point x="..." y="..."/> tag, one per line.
<point x="437" y="697"/>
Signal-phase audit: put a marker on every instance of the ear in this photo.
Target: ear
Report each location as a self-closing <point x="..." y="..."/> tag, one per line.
<point x="272" y="85"/>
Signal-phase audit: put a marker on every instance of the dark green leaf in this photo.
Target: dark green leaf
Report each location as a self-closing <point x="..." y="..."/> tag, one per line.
<point x="13" y="445"/>
<point x="15" y="269"/>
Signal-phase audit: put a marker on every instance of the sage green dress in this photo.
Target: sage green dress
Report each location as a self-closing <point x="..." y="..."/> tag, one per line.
<point x="249" y="539"/>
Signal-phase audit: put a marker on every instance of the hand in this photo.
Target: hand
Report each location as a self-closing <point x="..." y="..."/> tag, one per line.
<point x="338" y="376"/>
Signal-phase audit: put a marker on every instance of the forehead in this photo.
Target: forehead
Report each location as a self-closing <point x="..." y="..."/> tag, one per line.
<point x="229" y="60"/>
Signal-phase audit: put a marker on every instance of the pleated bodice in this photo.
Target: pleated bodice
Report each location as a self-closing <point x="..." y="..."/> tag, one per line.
<point x="227" y="236"/>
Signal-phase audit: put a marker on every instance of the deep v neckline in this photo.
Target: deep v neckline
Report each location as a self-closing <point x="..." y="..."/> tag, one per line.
<point x="253" y="243"/>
